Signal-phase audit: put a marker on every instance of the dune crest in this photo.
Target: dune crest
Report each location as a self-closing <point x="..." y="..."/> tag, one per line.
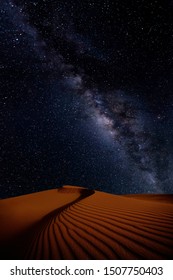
<point x="77" y="223"/>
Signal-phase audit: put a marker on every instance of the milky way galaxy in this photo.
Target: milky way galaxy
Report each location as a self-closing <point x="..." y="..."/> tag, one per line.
<point x="87" y="95"/>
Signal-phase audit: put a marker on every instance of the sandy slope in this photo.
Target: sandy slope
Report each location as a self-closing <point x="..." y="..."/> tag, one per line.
<point x="76" y="223"/>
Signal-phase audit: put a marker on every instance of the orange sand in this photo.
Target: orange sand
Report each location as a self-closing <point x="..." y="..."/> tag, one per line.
<point x="76" y="223"/>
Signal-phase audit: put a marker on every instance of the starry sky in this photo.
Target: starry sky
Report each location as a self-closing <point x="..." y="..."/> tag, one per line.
<point x="86" y="95"/>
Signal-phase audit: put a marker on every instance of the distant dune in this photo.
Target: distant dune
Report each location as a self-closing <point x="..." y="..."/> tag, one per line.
<point x="77" y="223"/>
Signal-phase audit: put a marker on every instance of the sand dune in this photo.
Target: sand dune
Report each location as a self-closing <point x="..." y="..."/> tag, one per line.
<point x="77" y="223"/>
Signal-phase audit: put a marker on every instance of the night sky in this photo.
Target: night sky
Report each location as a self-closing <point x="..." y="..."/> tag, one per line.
<point x="86" y="95"/>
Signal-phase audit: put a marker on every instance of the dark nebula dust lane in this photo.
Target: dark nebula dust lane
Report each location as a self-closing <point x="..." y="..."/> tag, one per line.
<point x="87" y="95"/>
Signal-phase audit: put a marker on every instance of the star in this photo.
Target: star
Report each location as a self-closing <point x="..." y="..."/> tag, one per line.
<point x="87" y="95"/>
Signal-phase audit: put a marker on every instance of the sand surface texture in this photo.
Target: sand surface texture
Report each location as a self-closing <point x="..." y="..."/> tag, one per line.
<point x="77" y="223"/>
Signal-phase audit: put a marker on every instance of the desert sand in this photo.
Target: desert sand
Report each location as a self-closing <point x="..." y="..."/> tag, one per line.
<point x="77" y="223"/>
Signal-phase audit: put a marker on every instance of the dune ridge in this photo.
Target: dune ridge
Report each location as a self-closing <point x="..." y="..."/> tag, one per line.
<point x="88" y="224"/>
